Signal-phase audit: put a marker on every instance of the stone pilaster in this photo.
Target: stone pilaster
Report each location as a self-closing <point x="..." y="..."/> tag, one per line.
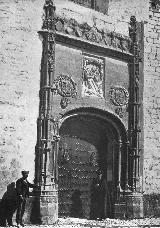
<point x="46" y="199"/>
<point x="132" y="197"/>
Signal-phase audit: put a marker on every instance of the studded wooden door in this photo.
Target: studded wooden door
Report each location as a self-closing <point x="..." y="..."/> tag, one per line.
<point x="78" y="163"/>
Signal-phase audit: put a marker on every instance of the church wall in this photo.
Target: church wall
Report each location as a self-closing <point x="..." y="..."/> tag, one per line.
<point x="20" y="57"/>
<point x="151" y="106"/>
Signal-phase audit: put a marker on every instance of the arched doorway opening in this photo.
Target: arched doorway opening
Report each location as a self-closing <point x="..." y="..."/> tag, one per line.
<point x="89" y="144"/>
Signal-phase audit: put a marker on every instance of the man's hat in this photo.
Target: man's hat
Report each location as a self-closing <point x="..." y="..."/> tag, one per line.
<point x="25" y="172"/>
<point x="99" y="172"/>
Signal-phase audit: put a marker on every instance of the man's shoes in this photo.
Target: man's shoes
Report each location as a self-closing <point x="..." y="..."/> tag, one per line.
<point x="20" y="225"/>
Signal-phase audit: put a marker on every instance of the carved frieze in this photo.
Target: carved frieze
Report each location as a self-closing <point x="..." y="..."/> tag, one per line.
<point x="66" y="88"/>
<point x="155" y="4"/>
<point x="93" y="34"/>
<point x="93" y="77"/>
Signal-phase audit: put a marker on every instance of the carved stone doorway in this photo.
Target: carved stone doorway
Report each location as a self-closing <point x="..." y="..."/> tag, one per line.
<point x="88" y="144"/>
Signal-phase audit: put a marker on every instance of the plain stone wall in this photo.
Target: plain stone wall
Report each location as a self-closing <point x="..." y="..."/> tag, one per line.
<point x="20" y="57"/>
<point x="151" y="103"/>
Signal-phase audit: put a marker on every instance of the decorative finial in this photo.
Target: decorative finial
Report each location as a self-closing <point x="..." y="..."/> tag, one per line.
<point x="49" y="15"/>
<point x="133" y="31"/>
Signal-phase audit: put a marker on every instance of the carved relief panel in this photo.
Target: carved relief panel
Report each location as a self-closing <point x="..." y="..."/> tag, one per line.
<point x="93" y="77"/>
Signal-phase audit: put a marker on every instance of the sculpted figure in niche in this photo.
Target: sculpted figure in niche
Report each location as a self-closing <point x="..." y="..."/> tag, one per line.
<point x="92" y="81"/>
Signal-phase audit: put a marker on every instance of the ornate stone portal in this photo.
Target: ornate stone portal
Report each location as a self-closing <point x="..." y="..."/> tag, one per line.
<point x="46" y="199"/>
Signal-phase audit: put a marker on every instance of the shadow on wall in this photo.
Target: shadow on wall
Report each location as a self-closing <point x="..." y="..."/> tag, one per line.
<point x="8" y="205"/>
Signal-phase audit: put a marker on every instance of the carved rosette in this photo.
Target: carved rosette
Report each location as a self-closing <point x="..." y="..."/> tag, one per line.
<point x="66" y="88"/>
<point x="93" y="77"/>
<point x="119" y="97"/>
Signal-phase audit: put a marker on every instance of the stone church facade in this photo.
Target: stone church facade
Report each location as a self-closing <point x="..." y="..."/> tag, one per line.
<point x="80" y="94"/>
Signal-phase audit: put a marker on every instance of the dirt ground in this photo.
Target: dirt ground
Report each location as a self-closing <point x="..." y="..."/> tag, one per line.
<point x="107" y="223"/>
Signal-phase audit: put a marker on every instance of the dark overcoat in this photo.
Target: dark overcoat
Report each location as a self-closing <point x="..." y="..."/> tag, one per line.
<point x="22" y="187"/>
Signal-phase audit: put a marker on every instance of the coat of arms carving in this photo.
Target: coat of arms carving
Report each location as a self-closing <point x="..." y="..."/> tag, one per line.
<point x="119" y="96"/>
<point x="66" y="88"/>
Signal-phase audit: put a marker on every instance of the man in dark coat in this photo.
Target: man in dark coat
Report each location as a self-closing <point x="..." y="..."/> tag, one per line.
<point x="100" y="200"/>
<point x="22" y="189"/>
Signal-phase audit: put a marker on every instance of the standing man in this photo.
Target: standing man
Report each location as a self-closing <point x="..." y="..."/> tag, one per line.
<point x="100" y="200"/>
<point x="22" y="189"/>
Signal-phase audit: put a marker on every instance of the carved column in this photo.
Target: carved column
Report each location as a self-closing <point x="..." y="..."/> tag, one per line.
<point x="134" y="199"/>
<point x="47" y="127"/>
<point x="119" y="189"/>
<point x="134" y="105"/>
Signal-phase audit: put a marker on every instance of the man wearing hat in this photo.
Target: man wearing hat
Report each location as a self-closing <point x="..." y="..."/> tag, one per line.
<point x="22" y="189"/>
<point x="100" y="200"/>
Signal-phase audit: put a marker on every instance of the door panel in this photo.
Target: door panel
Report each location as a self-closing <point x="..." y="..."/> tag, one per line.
<point x="78" y="165"/>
